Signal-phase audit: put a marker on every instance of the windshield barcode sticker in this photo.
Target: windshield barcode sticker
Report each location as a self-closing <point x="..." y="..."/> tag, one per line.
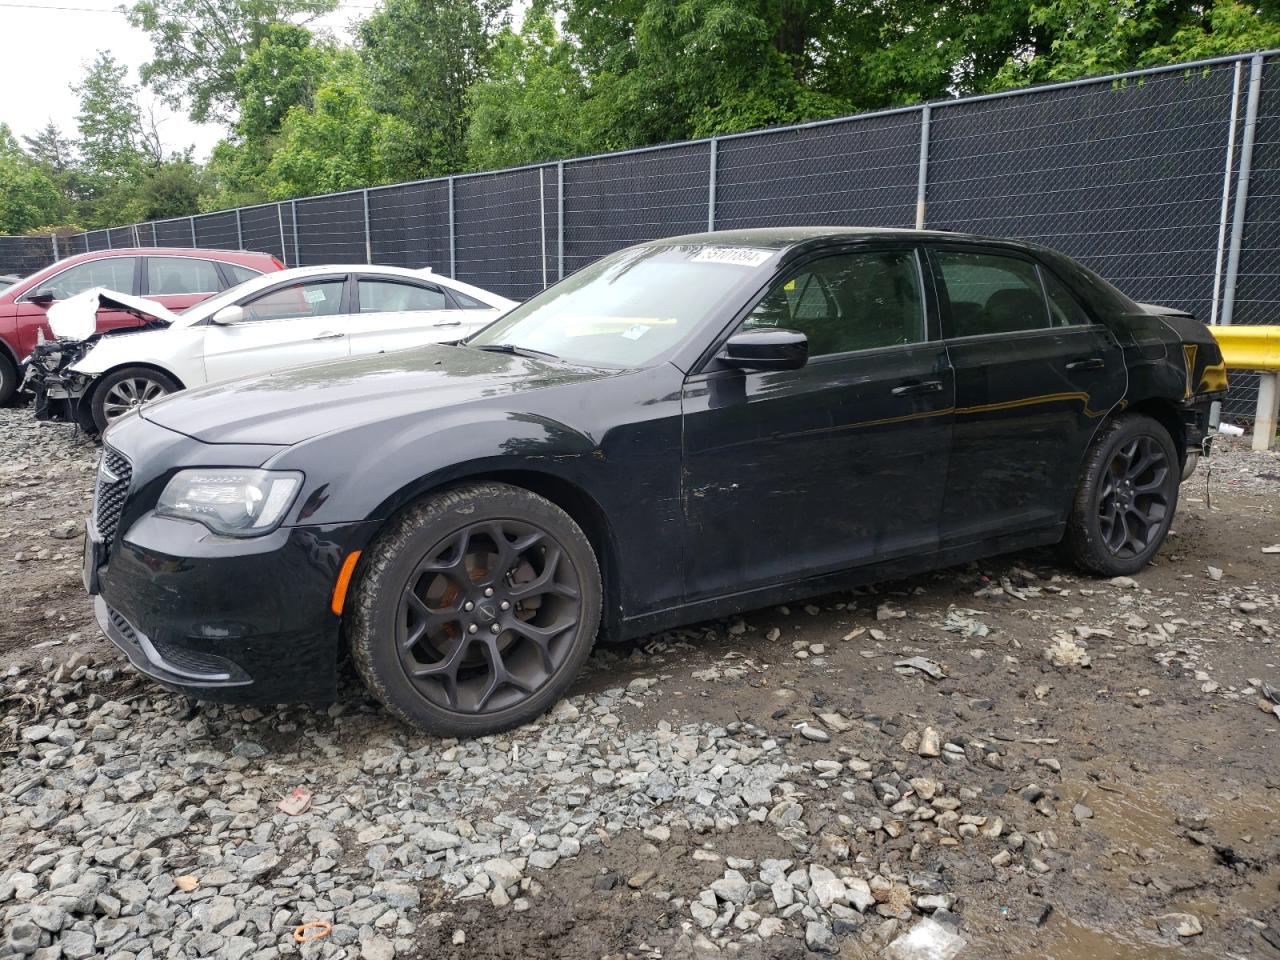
<point x="734" y="256"/>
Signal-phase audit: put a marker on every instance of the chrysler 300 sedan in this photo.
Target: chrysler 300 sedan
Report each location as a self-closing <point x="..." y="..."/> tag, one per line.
<point x="686" y="428"/>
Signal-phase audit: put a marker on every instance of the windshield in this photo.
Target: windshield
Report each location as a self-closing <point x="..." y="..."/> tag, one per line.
<point x="629" y="308"/>
<point x="207" y="308"/>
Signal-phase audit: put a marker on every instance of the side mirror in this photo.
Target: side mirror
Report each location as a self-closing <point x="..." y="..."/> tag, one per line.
<point x="42" y="298"/>
<point x="228" y="315"/>
<point x="766" y="349"/>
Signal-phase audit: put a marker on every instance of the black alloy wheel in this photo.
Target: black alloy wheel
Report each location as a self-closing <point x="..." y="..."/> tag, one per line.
<point x="487" y="616"/>
<point x="1133" y="506"/>
<point x="475" y="610"/>
<point x="1126" y="498"/>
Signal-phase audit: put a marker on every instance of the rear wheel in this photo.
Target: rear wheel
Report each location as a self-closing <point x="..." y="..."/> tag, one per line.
<point x="476" y="610"/>
<point x="8" y="379"/>
<point x="125" y="390"/>
<point x="1126" y="498"/>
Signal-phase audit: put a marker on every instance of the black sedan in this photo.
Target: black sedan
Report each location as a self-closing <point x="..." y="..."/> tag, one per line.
<point x="686" y="428"/>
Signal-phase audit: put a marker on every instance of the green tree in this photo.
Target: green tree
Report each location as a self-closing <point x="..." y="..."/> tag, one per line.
<point x="109" y="120"/>
<point x="201" y="45"/>
<point x="421" y="57"/>
<point x="340" y="143"/>
<point x="51" y="149"/>
<point x="534" y="104"/>
<point x="28" y="195"/>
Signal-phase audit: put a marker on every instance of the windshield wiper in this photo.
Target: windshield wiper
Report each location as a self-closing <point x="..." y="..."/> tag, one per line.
<point x="513" y="349"/>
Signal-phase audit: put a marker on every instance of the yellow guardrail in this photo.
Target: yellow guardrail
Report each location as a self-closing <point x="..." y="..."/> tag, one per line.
<point x="1256" y="348"/>
<point x="1249" y="347"/>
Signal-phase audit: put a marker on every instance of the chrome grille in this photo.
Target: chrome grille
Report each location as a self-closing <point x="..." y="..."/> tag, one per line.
<point x="114" y="474"/>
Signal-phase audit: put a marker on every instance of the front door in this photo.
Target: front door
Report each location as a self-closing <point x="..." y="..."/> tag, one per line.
<point x="1035" y="377"/>
<point x="840" y="463"/>
<point x="114" y="273"/>
<point x="287" y="326"/>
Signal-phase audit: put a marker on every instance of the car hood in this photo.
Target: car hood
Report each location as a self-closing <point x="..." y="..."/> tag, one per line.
<point x="76" y="318"/>
<point x="289" y="406"/>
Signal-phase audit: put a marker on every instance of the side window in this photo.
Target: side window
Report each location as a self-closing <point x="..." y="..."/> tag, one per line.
<point x="171" y="276"/>
<point x="318" y="298"/>
<point x="990" y="293"/>
<point x="854" y="301"/>
<point x="468" y="302"/>
<point x="1064" y="309"/>
<point x="114" y="273"/>
<point x="383" y="296"/>
<point x="238" y="273"/>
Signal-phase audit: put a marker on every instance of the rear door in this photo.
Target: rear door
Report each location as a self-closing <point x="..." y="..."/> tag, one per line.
<point x="803" y="472"/>
<point x="393" y="313"/>
<point x="180" y="282"/>
<point x="114" y="273"/>
<point x="1035" y="376"/>
<point x="285" y="326"/>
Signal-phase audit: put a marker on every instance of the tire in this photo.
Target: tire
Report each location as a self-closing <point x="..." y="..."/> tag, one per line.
<point x="1126" y="498"/>
<point x="8" y="379"/>
<point x="113" y="394"/>
<point x="474" y="668"/>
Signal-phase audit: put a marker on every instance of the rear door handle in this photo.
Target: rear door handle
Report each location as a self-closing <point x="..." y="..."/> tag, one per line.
<point x="917" y="386"/>
<point x="328" y="335"/>
<point x="1088" y="363"/>
<point x="449" y="323"/>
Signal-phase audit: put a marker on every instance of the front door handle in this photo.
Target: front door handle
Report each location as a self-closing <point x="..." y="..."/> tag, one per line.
<point x="449" y="323"/>
<point x="917" y="386"/>
<point x="328" y="335"/>
<point x="1088" y="363"/>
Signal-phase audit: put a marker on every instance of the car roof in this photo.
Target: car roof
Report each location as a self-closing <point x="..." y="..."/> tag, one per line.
<point x="782" y="238"/>
<point x="163" y="252"/>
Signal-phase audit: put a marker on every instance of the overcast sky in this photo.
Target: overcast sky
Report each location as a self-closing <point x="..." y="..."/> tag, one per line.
<point x="48" y="46"/>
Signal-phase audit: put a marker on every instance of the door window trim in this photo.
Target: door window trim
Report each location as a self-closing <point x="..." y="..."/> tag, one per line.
<point x="933" y="247"/>
<point x="343" y="309"/>
<point x="929" y="305"/>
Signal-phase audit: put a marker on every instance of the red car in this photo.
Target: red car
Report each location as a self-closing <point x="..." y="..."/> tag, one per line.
<point x="176" y="278"/>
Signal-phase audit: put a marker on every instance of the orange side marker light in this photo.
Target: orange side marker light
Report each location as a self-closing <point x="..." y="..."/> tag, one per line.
<point x="344" y="581"/>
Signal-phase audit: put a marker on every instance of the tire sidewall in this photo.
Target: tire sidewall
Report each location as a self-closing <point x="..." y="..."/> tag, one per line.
<point x="373" y="626"/>
<point x="8" y="379"/>
<point x="1097" y="556"/>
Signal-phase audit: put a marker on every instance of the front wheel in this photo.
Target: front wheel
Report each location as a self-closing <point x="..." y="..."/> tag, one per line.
<point x="125" y="390"/>
<point x="1126" y="498"/>
<point x="475" y="610"/>
<point x="8" y="379"/>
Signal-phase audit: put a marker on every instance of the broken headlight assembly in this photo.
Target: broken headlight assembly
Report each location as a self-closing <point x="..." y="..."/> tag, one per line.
<point x="231" y="502"/>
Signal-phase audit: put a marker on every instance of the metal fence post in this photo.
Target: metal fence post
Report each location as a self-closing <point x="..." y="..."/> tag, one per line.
<point x="239" y="230"/>
<point x="1242" y="191"/>
<point x="560" y="220"/>
<point x="280" y="219"/>
<point x="54" y="238"/>
<point x="194" y="242"/>
<point x="452" y="249"/>
<point x="293" y="212"/>
<point x="368" y="240"/>
<point x="155" y="237"/>
<point x="1226" y="191"/>
<point x="542" y="219"/>
<point x="711" y="187"/>
<point x="922" y="174"/>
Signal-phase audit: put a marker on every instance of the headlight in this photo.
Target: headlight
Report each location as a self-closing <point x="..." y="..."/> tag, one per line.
<point x="235" y="503"/>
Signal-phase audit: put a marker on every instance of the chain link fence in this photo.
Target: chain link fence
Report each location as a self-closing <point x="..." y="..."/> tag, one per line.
<point x="1166" y="181"/>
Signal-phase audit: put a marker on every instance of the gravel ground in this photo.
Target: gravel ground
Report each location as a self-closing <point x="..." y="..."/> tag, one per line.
<point x="1006" y="760"/>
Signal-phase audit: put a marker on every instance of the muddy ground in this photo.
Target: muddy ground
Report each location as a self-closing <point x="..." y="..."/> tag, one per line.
<point x="1159" y="767"/>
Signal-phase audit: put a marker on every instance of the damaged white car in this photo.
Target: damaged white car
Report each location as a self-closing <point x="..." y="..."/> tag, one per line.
<point x="278" y="320"/>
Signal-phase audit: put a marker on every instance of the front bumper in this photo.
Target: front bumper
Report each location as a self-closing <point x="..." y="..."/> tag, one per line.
<point x="240" y="621"/>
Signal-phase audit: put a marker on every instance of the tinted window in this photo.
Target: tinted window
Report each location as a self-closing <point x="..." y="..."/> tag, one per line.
<point x="319" y="298"/>
<point x="855" y="301"/>
<point x="114" y="273"/>
<point x="1064" y="309"/>
<point x="470" y="303"/>
<point x="991" y="294"/>
<point x="240" y="274"/>
<point x="381" y="296"/>
<point x="171" y="276"/>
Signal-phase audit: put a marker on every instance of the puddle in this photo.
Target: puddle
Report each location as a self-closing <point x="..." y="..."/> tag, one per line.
<point x="1065" y="939"/>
